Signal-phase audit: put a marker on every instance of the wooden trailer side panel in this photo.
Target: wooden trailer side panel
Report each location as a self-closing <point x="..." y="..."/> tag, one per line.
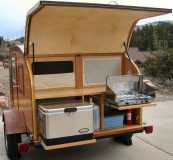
<point x="22" y="94"/>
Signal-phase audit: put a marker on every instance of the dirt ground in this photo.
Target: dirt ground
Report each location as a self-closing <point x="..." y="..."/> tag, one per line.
<point x="4" y="87"/>
<point x="4" y="80"/>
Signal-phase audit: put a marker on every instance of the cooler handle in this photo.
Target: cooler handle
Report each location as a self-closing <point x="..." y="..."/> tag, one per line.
<point x="70" y="110"/>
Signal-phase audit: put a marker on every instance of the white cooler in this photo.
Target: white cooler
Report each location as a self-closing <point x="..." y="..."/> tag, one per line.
<point x="65" y="120"/>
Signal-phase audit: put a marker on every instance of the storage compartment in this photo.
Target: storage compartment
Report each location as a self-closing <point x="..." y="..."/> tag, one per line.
<point x="53" y="74"/>
<point x="66" y="120"/>
<point x="113" y="119"/>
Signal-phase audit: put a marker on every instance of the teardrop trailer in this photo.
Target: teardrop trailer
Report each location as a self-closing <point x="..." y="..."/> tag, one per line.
<point x="74" y="82"/>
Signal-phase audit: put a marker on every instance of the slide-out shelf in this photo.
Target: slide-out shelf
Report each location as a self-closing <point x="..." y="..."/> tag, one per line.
<point x="133" y="106"/>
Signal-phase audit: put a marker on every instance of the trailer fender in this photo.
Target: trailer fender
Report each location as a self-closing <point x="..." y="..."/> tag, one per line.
<point x="14" y="122"/>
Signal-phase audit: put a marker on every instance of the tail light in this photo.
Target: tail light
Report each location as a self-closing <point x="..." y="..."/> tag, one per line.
<point x="148" y="129"/>
<point x="23" y="147"/>
<point x="129" y="117"/>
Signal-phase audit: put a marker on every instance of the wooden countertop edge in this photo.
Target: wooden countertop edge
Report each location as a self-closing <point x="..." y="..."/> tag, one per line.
<point x="67" y="92"/>
<point x="134" y="106"/>
<point x="66" y="145"/>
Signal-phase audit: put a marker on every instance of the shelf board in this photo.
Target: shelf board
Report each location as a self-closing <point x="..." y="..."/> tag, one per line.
<point x="68" y="92"/>
<point x="114" y="131"/>
<point x="134" y="106"/>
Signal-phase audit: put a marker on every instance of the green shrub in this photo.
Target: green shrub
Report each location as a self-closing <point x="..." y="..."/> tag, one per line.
<point x="161" y="66"/>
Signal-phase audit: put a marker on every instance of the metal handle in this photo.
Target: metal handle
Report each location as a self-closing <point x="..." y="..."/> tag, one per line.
<point x="70" y="110"/>
<point x="15" y="86"/>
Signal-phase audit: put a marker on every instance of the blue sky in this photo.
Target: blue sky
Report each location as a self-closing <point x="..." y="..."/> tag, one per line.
<point x="13" y="13"/>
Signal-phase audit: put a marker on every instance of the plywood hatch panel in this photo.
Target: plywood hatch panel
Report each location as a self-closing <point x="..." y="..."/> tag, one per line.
<point x="60" y="28"/>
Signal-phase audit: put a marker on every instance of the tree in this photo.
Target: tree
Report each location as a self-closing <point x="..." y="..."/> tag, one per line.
<point x="170" y="37"/>
<point x="153" y="36"/>
<point x="155" y="40"/>
<point x="1" y="40"/>
<point x="21" y="39"/>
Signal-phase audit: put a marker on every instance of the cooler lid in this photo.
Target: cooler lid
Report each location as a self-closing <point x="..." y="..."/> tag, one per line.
<point x="49" y="108"/>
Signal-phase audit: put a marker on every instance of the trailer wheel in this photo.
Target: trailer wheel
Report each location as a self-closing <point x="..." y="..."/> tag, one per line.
<point x="11" y="145"/>
<point x="125" y="139"/>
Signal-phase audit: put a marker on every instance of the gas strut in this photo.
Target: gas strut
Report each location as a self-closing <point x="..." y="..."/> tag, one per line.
<point x="127" y="53"/>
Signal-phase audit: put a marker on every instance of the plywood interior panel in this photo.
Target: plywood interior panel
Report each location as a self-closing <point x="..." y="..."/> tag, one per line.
<point x="49" y="81"/>
<point x="96" y="69"/>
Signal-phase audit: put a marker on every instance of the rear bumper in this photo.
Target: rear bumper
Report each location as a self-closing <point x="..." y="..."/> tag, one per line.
<point x="148" y="129"/>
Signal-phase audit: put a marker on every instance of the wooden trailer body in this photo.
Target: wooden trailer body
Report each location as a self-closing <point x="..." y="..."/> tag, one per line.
<point x="79" y="35"/>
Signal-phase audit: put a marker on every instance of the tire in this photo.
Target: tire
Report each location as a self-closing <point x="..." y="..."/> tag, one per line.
<point x="11" y="145"/>
<point x="125" y="139"/>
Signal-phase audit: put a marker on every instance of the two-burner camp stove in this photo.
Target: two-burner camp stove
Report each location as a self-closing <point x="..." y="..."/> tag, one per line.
<point x="127" y="90"/>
